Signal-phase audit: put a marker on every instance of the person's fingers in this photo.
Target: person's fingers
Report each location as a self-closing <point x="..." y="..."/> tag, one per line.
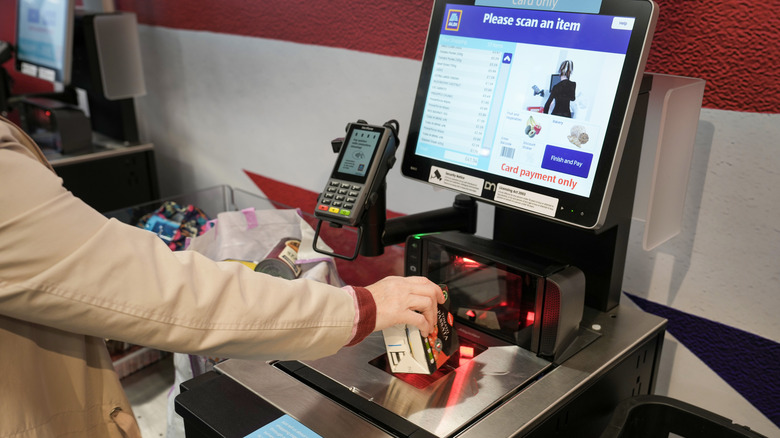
<point x="409" y="308"/>
<point x="422" y="305"/>
<point x="408" y="300"/>
<point x="419" y="321"/>
<point x="423" y="299"/>
<point x="427" y="287"/>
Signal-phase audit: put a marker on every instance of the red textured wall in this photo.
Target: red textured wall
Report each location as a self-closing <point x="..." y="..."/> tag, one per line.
<point x="732" y="44"/>
<point x="394" y="28"/>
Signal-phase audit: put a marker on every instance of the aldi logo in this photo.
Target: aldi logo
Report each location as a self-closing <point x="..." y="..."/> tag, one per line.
<point x="453" y="20"/>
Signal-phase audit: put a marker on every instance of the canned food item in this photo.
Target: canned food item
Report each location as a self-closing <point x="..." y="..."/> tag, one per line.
<point x="280" y="261"/>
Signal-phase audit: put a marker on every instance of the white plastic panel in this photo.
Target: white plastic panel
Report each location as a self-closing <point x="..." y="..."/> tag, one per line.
<point x="670" y="130"/>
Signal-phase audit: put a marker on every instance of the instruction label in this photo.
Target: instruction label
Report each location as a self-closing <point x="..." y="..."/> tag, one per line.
<point x="526" y="200"/>
<point x="456" y="180"/>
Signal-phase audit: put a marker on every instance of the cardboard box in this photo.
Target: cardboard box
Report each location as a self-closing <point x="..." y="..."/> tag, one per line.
<point x="410" y="352"/>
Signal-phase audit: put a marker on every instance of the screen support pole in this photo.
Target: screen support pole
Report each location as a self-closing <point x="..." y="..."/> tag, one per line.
<point x="600" y="254"/>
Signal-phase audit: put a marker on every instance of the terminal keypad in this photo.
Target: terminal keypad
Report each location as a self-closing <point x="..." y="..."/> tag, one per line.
<point x="339" y="197"/>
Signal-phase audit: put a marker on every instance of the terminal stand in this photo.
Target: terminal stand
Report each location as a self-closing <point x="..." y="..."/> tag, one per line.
<point x="462" y="216"/>
<point x="376" y="232"/>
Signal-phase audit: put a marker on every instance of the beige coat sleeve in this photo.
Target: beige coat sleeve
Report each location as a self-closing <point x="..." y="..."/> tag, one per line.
<point x="64" y="265"/>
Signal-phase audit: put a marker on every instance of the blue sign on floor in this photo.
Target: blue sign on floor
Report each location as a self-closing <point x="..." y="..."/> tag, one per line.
<point x="284" y="426"/>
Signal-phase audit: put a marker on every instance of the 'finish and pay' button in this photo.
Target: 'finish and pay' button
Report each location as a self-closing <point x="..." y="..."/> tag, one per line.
<point x="567" y="161"/>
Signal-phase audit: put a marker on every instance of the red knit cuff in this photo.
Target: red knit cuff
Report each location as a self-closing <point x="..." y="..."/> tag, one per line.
<point x="367" y="320"/>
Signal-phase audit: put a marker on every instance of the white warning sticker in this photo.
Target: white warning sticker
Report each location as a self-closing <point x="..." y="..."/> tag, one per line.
<point x="456" y="180"/>
<point x="536" y="202"/>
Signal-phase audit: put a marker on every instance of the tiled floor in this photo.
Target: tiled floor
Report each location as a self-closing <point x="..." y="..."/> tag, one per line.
<point x="148" y="391"/>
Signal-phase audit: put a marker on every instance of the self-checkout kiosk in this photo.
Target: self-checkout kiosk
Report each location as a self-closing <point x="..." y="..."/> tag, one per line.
<point x="93" y="57"/>
<point x="545" y="347"/>
<point x="87" y="127"/>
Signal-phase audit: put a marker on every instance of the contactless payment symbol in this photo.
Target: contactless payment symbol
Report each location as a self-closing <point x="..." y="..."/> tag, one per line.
<point x="453" y="20"/>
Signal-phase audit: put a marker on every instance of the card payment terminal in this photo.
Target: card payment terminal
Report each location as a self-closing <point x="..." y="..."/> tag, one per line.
<point x="367" y="153"/>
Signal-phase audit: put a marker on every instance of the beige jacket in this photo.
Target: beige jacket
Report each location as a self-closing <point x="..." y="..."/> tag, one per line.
<point x="70" y="278"/>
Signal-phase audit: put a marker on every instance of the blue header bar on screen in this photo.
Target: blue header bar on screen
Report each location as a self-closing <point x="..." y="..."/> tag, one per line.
<point x="600" y="33"/>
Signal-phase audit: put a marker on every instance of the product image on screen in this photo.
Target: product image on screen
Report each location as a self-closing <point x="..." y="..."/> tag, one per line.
<point x="44" y="39"/>
<point x="525" y="108"/>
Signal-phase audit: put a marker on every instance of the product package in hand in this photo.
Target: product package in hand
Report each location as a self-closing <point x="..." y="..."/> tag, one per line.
<point x="410" y="352"/>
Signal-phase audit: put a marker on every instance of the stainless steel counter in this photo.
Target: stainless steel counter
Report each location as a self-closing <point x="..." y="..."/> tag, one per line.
<point x="504" y="391"/>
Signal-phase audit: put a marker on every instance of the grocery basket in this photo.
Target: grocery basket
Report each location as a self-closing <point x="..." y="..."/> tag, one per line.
<point x="211" y="201"/>
<point x="129" y="358"/>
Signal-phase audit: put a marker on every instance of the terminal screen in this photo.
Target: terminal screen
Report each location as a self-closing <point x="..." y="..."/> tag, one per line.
<point x="359" y="150"/>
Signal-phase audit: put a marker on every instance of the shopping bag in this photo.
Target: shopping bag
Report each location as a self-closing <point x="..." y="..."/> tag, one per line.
<point x="252" y="235"/>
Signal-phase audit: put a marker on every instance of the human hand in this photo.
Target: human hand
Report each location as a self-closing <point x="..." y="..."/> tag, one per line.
<point x="406" y="300"/>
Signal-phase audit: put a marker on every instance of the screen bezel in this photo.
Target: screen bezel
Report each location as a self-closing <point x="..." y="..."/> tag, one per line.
<point x="62" y="74"/>
<point x="345" y="146"/>
<point x="586" y="212"/>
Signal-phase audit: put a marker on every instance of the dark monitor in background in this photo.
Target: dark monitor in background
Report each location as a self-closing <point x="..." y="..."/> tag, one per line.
<point x="476" y="128"/>
<point x="107" y="55"/>
<point x="44" y="39"/>
<point x="5" y="80"/>
<point x="107" y="65"/>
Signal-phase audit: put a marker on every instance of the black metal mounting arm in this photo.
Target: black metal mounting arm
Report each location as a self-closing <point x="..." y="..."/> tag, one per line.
<point x="376" y="232"/>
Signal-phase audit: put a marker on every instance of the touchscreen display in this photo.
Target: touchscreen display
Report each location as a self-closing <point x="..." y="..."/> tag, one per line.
<point x="358" y="152"/>
<point x="528" y="108"/>
<point x="524" y="94"/>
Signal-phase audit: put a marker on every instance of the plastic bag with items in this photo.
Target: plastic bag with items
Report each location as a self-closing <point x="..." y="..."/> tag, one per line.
<point x="277" y="242"/>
